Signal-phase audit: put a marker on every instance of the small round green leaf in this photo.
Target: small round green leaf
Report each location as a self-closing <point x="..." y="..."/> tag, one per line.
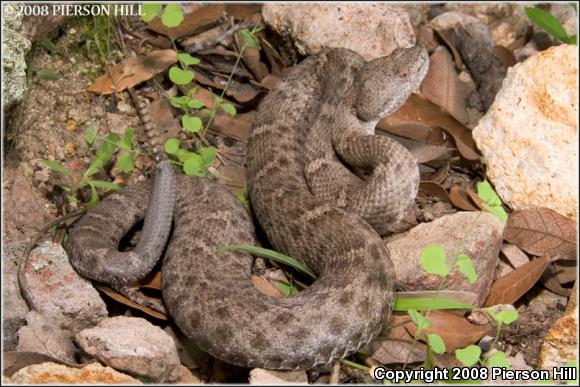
<point x="208" y="154"/>
<point x="91" y="135"/>
<point x="179" y="76"/>
<point x="249" y="39"/>
<point x="498" y="359"/>
<point x="433" y="260"/>
<point x="127" y="139"/>
<point x="465" y="265"/>
<point x="191" y="124"/>
<point x="126" y="163"/>
<point x="436" y="343"/>
<point x="192" y="167"/>
<point x="229" y="109"/>
<point x="149" y="11"/>
<point x="171" y="146"/>
<point x="187" y="59"/>
<point x="179" y="102"/>
<point x="172" y="16"/>
<point x="506" y="316"/>
<point x="195" y="104"/>
<point x="468" y="355"/>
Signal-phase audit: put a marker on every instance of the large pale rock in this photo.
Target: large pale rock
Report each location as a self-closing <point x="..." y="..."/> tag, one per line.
<point x="561" y="342"/>
<point x="14" y="307"/>
<point x="315" y="26"/>
<point x="59" y="293"/>
<point x="133" y="345"/>
<point x="529" y="136"/>
<point x="52" y="373"/>
<point x="479" y="235"/>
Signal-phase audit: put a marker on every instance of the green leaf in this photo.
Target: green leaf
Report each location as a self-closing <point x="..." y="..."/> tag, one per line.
<point x="56" y="167"/>
<point x="433" y="260"/>
<point x="286" y="289"/>
<point x="506" y="316"/>
<point x="71" y="199"/>
<point x="208" y="154"/>
<point x="271" y="254"/>
<point x="465" y="265"/>
<point x="47" y="74"/>
<point x="126" y="162"/>
<point x="187" y="59"/>
<point x="243" y="199"/>
<point x="192" y="167"/>
<point x="498" y="359"/>
<point x="179" y="102"/>
<point x="492" y="202"/>
<point x="195" y="104"/>
<point x="229" y="109"/>
<point x="403" y="304"/>
<point x="127" y="139"/>
<point x="184" y="155"/>
<point x="171" y="146"/>
<point x="191" y="124"/>
<point x="94" y="198"/>
<point x="172" y="16"/>
<point x="180" y="76"/>
<point x="104" y="184"/>
<point x="546" y="21"/>
<point x="469" y="355"/>
<point x="572" y="40"/>
<point x="103" y="154"/>
<point x="436" y="343"/>
<point x="90" y="135"/>
<point x="149" y="11"/>
<point x="249" y="39"/>
<point x="420" y="321"/>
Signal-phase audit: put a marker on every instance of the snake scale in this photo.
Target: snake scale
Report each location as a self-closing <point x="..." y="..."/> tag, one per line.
<point x="323" y="188"/>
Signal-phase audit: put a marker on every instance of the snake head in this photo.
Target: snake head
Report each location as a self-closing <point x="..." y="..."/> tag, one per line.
<point x="385" y="83"/>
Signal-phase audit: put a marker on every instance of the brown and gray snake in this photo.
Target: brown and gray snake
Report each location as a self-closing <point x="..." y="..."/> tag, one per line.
<point x="323" y="188"/>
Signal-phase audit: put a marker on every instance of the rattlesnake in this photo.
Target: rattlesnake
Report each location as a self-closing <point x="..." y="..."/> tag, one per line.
<point x="310" y="205"/>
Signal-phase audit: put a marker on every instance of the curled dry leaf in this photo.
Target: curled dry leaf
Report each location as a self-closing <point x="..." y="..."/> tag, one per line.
<point x="422" y="152"/>
<point x="456" y="331"/>
<point x="443" y="87"/>
<point x="542" y="231"/>
<point x="266" y="287"/>
<point x="462" y="199"/>
<point x="509" y="288"/>
<point x="276" y="62"/>
<point x="551" y="281"/>
<point x="123" y="300"/>
<point x="133" y="71"/>
<point x="433" y="189"/>
<point x="419" y="112"/>
<point x="506" y="56"/>
<point x="152" y="282"/>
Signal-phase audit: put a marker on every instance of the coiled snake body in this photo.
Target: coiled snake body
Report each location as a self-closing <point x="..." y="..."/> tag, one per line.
<point x="322" y="188"/>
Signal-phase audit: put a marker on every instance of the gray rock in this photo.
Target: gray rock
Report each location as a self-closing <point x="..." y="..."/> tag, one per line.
<point x="133" y="345"/>
<point x="14" y="307"/>
<point x="452" y="232"/>
<point x="59" y="293"/>
<point x="529" y="136"/>
<point x="313" y="27"/>
<point x="15" y="46"/>
<point x="41" y="335"/>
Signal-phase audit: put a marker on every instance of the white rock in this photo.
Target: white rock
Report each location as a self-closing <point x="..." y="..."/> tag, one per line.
<point x="529" y="136"/>
<point x="262" y="376"/>
<point x="315" y="26"/>
<point x="133" y="345"/>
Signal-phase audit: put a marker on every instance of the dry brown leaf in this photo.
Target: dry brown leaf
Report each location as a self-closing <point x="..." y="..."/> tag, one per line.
<point x="461" y="199"/>
<point x="443" y="87"/>
<point x="133" y="71"/>
<point x="565" y="271"/>
<point x="152" y="282"/>
<point x="204" y="96"/>
<point x="514" y="255"/>
<point x="506" y="56"/>
<point x="233" y="177"/>
<point x="193" y="23"/>
<point x="446" y="38"/>
<point x="125" y="301"/>
<point x="251" y="58"/>
<point x="542" y="231"/>
<point x="421" y="112"/>
<point x="237" y="127"/>
<point x="509" y="288"/>
<point x="433" y="189"/>
<point x="551" y="281"/>
<point x="456" y="331"/>
<point x="394" y="345"/>
<point x="422" y="152"/>
<point x="270" y="81"/>
<point x="274" y="58"/>
<point x="245" y="12"/>
<point x="266" y="287"/>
